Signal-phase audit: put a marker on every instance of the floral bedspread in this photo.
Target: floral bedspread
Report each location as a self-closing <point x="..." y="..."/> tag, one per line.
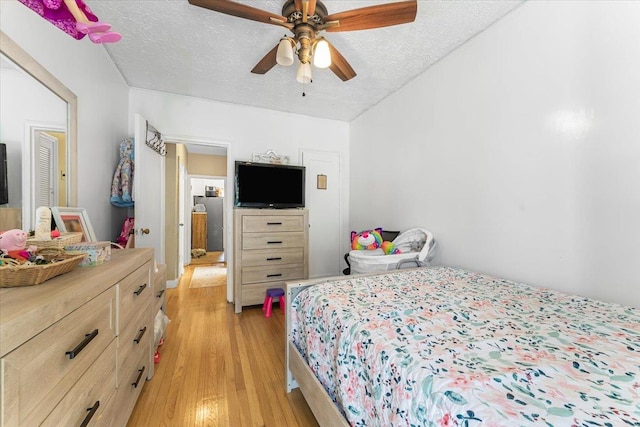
<point x="447" y="347"/>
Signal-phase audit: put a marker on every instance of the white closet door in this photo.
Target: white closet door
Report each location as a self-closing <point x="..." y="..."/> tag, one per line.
<point x="326" y="239"/>
<point x="45" y="158"/>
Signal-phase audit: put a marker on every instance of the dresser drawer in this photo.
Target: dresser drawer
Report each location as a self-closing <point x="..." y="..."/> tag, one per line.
<point x="134" y="339"/>
<point x="87" y="400"/>
<point x="134" y="291"/>
<point x="272" y="223"/>
<point x="272" y="240"/>
<point x="254" y="294"/>
<point x="272" y="257"/>
<point x="130" y="385"/>
<point x="39" y="372"/>
<point x="159" y="287"/>
<point x="272" y="273"/>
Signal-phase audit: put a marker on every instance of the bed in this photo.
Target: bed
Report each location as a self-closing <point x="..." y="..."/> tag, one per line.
<point x="448" y="347"/>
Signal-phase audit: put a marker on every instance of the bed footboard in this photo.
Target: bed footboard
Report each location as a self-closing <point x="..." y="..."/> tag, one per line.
<point x="325" y="411"/>
<point x="299" y="375"/>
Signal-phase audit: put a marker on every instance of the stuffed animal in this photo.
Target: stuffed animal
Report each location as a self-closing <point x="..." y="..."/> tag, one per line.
<point x="366" y="240"/>
<point x="389" y="248"/>
<point x="13" y="240"/>
<point x="12" y="244"/>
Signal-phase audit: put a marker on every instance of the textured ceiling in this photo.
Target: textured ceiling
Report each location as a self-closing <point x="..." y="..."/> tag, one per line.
<point x="172" y="46"/>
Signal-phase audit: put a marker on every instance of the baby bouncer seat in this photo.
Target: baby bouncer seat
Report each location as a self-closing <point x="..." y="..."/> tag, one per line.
<point x="417" y="248"/>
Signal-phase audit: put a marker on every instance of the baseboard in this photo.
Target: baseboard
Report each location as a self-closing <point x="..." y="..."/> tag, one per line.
<point x="172" y="283"/>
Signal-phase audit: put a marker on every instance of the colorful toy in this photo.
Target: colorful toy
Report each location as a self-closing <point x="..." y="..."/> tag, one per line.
<point x="366" y="240"/>
<point x="13" y="240"/>
<point x="74" y="18"/>
<point x="13" y="243"/>
<point x="389" y="248"/>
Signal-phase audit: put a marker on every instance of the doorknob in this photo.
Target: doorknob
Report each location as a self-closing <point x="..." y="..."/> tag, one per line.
<point x="144" y="230"/>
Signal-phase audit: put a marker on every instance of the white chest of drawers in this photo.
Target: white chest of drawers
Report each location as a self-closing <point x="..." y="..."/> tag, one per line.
<point x="72" y="348"/>
<point x="271" y="246"/>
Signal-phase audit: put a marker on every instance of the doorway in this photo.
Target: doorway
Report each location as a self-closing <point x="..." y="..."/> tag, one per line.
<point x="44" y="162"/>
<point x="207" y="217"/>
<point x="201" y="175"/>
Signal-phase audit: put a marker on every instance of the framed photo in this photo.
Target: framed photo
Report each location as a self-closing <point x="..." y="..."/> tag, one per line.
<point x="73" y="220"/>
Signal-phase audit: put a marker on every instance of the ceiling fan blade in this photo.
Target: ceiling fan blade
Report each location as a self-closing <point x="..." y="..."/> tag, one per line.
<point x="298" y="4"/>
<point x="267" y="62"/>
<point x="339" y="65"/>
<point x="382" y="15"/>
<point x="311" y="10"/>
<point x="240" y="10"/>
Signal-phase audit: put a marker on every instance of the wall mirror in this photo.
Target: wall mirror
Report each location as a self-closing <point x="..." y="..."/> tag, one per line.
<point x="39" y="130"/>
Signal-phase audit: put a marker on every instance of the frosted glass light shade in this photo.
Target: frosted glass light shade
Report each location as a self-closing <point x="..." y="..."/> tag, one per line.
<point x="284" y="55"/>
<point x="303" y="75"/>
<point x="322" y="55"/>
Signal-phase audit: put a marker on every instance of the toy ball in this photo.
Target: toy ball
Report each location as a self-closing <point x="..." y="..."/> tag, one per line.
<point x="368" y="239"/>
<point x="389" y="248"/>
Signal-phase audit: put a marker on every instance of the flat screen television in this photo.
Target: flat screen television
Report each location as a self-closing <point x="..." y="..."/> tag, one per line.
<point x="263" y="185"/>
<point x="4" y="186"/>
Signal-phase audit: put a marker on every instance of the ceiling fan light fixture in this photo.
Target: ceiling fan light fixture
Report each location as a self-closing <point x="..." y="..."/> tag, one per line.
<point x="303" y="75"/>
<point x="322" y="55"/>
<point x="284" y="55"/>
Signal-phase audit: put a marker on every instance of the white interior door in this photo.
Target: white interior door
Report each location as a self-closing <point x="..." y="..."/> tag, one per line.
<point x="45" y="148"/>
<point x="325" y="212"/>
<point x="182" y="175"/>
<point x="148" y="192"/>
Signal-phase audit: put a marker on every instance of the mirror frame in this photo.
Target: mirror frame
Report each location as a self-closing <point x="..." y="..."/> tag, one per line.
<point x="25" y="61"/>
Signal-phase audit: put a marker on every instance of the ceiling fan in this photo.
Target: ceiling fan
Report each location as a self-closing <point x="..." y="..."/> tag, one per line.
<point x="305" y="19"/>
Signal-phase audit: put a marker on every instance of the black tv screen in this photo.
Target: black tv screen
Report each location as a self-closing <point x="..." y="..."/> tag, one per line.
<point x="263" y="185"/>
<point x="4" y="187"/>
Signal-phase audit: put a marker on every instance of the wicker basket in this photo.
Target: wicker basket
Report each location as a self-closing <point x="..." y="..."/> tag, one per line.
<point x="57" y="243"/>
<point x="13" y="275"/>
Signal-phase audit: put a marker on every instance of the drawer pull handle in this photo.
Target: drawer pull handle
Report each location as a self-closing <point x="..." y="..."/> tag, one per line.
<point x="274" y="223"/>
<point x="274" y="275"/>
<point x="92" y="412"/>
<point x="140" y="335"/>
<point x="278" y="258"/>
<point x="275" y="242"/>
<point x="140" y="289"/>
<point x="160" y="294"/>
<point x="140" y="372"/>
<point x="87" y="339"/>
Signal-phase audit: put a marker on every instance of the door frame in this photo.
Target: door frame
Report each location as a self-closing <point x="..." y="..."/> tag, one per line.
<point x="28" y="193"/>
<point x="228" y="207"/>
<point x="342" y="209"/>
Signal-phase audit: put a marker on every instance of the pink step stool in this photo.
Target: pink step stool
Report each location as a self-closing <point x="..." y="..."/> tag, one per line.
<point x="268" y="300"/>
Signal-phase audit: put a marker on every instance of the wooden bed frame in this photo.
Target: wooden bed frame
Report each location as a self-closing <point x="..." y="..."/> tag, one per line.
<point x="297" y="372"/>
<point x="299" y="375"/>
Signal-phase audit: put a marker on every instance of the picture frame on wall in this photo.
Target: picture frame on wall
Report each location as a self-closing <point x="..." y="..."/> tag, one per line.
<point x="69" y="220"/>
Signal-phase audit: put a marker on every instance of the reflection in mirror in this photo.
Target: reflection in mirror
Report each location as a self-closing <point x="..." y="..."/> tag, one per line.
<point x="39" y="129"/>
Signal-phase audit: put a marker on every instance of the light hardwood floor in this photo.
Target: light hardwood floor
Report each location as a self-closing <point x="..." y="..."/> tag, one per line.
<point x="218" y="368"/>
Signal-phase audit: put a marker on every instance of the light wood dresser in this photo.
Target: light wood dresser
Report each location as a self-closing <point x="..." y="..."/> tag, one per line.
<point x="77" y="349"/>
<point x="271" y="246"/>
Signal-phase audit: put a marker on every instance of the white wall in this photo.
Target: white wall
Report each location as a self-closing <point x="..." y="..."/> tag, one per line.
<point x="520" y="151"/>
<point x="87" y="70"/>
<point x="247" y="130"/>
